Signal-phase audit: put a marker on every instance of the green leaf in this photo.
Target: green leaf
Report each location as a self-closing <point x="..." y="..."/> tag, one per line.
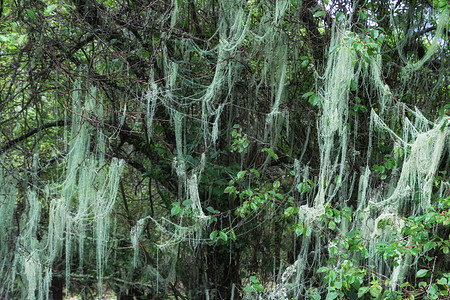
<point x="362" y="291"/>
<point x="187" y="202"/>
<point x="308" y="94"/>
<point x="319" y="13"/>
<point x="232" y="235"/>
<point x="433" y="289"/>
<point x="270" y="152"/>
<point x="375" y="291"/>
<point x="49" y="9"/>
<point x="443" y="6"/>
<point x="378" y="168"/>
<point x="366" y="59"/>
<point x="334" y="48"/>
<point x="176" y="210"/>
<point x="258" y="200"/>
<point x="390" y="164"/>
<point x="249" y="289"/>
<point x="240" y="175"/>
<point x="414" y="251"/>
<point x="332" y="295"/>
<point x="253" y="279"/>
<point x="421" y="273"/>
<point x="375" y="33"/>
<point x="314" y="100"/>
<point x="357" y="46"/>
<point x="353" y="85"/>
<point x="362" y="14"/>
<point x="223" y="236"/>
<point x="248" y="193"/>
<point x="303" y="187"/>
<point x="276" y="184"/>
<point x="340" y="17"/>
<point x="245" y="206"/>
<point x="329" y="212"/>
<point x="31" y="14"/>
<point x="365" y="253"/>
<point x="444" y="124"/>
<point x="323" y="269"/>
<point x="255" y="172"/>
<point x="213" y="235"/>
<point x="428" y="246"/>
<point x="332" y="225"/>
<point x="442" y="281"/>
<point x="229" y="190"/>
<point x="299" y="230"/>
<point x="289" y="211"/>
<point x="305" y="63"/>
<point x="258" y="287"/>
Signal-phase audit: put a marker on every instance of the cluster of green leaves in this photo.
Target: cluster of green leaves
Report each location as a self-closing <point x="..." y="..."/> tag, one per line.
<point x="358" y="107"/>
<point x="442" y="5"/>
<point x="253" y="285"/>
<point x="240" y="140"/>
<point x="348" y="277"/>
<point x="183" y="209"/>
<point x="223" y="235"/>
<point x="444" y="111"/>
<point x="313" y="99"/>
<point x="389" y="163"/>
<point x="305" y="187"/>
<point x="252" y="198"/>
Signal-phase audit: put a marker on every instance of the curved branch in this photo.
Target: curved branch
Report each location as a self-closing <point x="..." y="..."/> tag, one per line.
<point x="30" y="133"/>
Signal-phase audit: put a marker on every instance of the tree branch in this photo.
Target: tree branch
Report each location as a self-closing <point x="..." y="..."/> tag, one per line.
<point x="26" y="135"/>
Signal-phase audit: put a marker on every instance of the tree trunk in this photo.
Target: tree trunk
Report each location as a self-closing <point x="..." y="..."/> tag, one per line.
<point x="223" y="271"/>
<point x="56" y="288"/>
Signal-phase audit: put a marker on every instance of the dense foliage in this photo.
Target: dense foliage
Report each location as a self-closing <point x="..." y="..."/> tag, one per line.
<point x="225" y="149"/>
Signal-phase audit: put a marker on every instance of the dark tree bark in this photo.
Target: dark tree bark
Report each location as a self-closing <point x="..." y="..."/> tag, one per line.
<point x="56" y="288"/>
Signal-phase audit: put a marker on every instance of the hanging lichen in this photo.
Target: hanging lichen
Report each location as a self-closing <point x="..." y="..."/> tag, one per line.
<point x="252" y="62"/>
<point x="442" y="25"/>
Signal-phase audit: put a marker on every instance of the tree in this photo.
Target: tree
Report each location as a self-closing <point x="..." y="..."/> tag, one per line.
<point x="213" y="149"/>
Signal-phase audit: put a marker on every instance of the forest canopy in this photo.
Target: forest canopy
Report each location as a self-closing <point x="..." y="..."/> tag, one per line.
<point x="224" y="149"/>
